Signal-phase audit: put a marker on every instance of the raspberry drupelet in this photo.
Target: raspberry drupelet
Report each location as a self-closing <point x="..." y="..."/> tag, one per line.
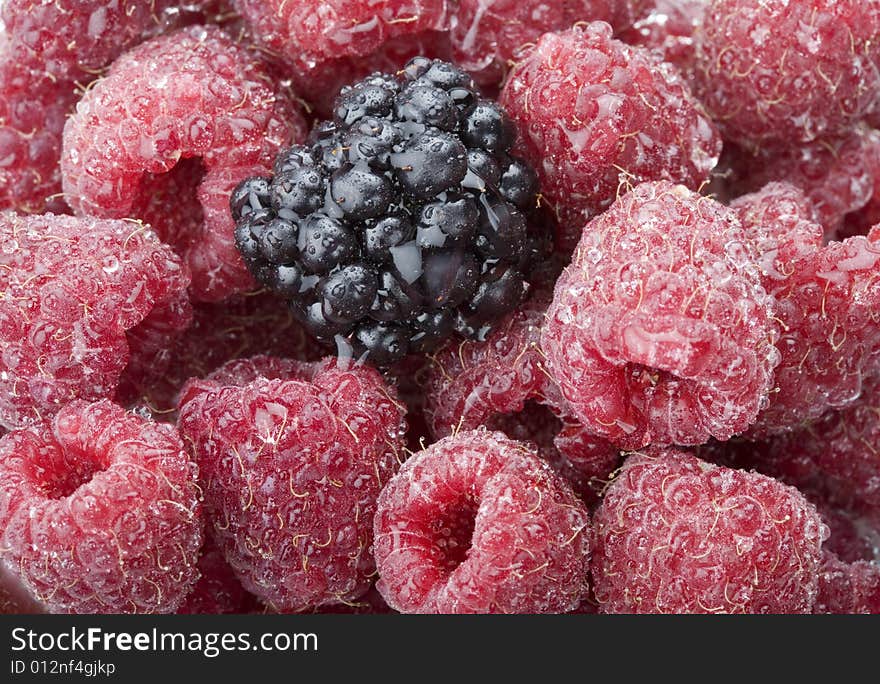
<point x="597" y="116"/>
<point x="166" y="135"/>
<point x="99" y="512"/>
<point x="792" y="72"/>
<point x="292" y="457"/>
<point x="675" y="534"/>
<point x="660" y="331"/>
<point x="477" y="523"/>
<point x="84" y="300"/>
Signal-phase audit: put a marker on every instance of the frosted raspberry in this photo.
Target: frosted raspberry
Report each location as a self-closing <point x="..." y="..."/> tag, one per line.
<point x="781" y="222"/>
<point x="487" y="33"/>
<point x="788" y="71"/>
<point x="860" y="222"/>
<point x="658" y="335"/>
<point x="370" y="603"/>
<point x="218" y="591"/>
<point x="243" y="326"/>
<point x="830" y="340"/>
<point x="292" y="457"/>
<point x="476" y="523"/>
<point x="100" y="512"/>
<point x="675" y="534"/>
<point x="503" y="384"/>
<point x="853" y="537"/>
<point x="848" y="588"/>
<point x="670" y="28"/>
<point x="192" y="95"/>
<point x="309" y="32"/>
<point x="49" y="52"/>
<point x="833" y="173"/>
<point x="83" y="298"/>
<point x="596" y="116"/>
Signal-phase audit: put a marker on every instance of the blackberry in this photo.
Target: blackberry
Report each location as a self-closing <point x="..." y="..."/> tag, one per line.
<point x="401" y="221"/>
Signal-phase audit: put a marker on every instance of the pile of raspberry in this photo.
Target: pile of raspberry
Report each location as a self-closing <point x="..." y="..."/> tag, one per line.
<point x="440" y="306"/>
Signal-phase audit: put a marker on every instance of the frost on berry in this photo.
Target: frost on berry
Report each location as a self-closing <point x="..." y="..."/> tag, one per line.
<point x="47" y="51"/>
<point x="477" y="523"/>
<point x="218" y="591"/>
<point x="309" y="32"/>
<point x="834" y="173"/>
<point x="675" y="534"/>
<point x="82" y="298"/>
<point x="192" y="97"/>
<point x="503" y="384"/>
<point x="596" y="116"/>
<point x="486" y="34"/>
<point x="100" y="512"/>
<point x="828" y="313"/>
<point x="859" y="222"/>
<point x="660" y="331"/>
<point x="848" y="588"/>
<point x="239" y="327"/>
<point x="788" y="71"/>
<point x="670" y="29"/>
<point x="292" y="458"/>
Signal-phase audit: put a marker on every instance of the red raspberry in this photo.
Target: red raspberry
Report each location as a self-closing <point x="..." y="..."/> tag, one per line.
<point x="370" y="603"/>
<point x="658" y="335"/>
<point x="218" y="591"/>
<point x="192" y="94"/>
<point x="246" y="325"/>
<point x="830" y="339"/>
<point x="788" y="71"/>
<point x="477" y="523"/>
<point x="503" y="384"/>
<point x="834" y="174"/>
<point x="308" y="32"/>
<point x="853" y="538"/>
<point x="675" y="534"/>
<point x="848" y="588"/>
<point x="83" y="298"/>
<point x="860" y="222"/>
<point x="487" y="33"/>
<point x="596" y="116"/>
<point x="100" y="512"/>
<point x="670" y="28"/>
<point x="293" y="456"/>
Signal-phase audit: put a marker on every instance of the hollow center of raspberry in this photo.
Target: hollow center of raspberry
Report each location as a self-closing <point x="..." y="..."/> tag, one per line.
<point x="641" y="377"/>
<point x="63" y="478"/>
<point x="169" y="203"/>
<point x="453" y="532"/>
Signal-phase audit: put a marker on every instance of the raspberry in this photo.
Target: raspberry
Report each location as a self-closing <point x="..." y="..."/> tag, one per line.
<point x="848" y="588"/>
<point x="678" y="535"/>
<point x="860" y="222"/>
<point x="596" y="116"/>
<point x="477" y="523"/>
<point x="83" y="298"/>
<point x="852" y="537"/>
<point x="503" y="384"/>
<point x="191" y="95"/>
<point x="402" y="220"/>
<point x="827" y="308"/>
<point x="774" y="70"/>
<point x="670" y="28"/>
<point x="218" y="591"/>
<point x="309" y="32"/>
<point x="243" y="326"/>
<point x="100" y="512"/>
<point x="292" y="457"/>
<point x="486" y="33"/>
<point x="834" y="173"/>
<point x="658" y="335"/>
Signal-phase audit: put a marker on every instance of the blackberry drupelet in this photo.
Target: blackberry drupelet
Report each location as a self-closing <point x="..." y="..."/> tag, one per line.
<point x="400" y="222"/>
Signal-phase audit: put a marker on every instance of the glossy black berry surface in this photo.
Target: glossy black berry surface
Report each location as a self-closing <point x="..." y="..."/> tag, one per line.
<point x="402" y="221"/>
